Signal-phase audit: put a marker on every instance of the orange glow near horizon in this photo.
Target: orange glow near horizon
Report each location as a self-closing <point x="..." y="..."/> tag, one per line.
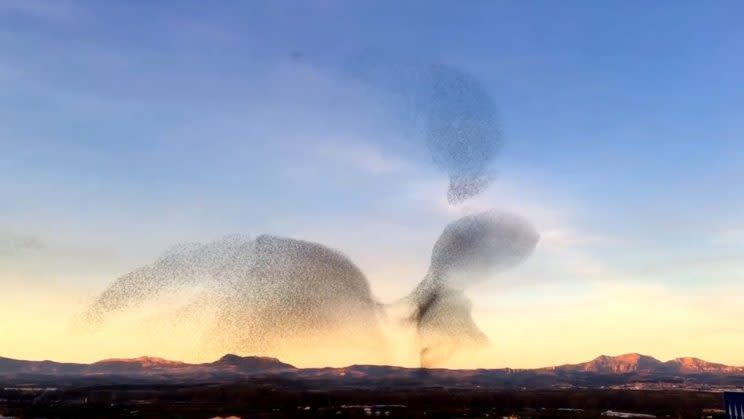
<point x="615" y="319"/>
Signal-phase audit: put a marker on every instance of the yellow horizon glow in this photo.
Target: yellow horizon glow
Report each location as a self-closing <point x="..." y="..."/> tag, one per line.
<point x="614" y="318"/>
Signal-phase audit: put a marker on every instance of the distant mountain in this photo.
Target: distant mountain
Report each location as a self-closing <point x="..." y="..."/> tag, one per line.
<point x="250" y="364"/>
<point x="145" y="366"/>
<point x="620" y="364"/>
<point x="132" y="365"/>
<point x="12" y="366"/>
<point x="600" y="372"/>
<point x="643" y="364"/>
<point x="689" y="365"/>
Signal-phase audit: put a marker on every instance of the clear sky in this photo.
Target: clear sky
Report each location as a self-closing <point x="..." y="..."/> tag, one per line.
<point x="127" y="127"/>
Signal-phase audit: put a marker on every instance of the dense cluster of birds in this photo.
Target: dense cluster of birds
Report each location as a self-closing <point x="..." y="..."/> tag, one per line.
<point x="263" y="291"/>
<point x="268" y="290"/>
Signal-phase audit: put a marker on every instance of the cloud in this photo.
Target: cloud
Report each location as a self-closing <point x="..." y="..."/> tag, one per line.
<point x="729" y="236"/>
<point x="362" y="156"/>
<point x="43" y="9"/>
<point x="11" y="244"/>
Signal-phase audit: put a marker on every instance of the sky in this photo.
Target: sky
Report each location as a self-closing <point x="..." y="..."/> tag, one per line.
<point x="128" y="127"/>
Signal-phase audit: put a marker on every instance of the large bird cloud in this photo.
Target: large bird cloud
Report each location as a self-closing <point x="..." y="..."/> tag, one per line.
<point x="265" y="292"/>
<point x="270" y="292"/>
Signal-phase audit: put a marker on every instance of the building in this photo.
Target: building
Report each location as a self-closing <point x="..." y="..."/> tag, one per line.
<point x="627" y="414"/>
<point x="733" y="402"/>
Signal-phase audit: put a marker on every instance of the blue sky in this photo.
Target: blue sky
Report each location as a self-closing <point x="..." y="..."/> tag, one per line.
<point x="126" y="127"/>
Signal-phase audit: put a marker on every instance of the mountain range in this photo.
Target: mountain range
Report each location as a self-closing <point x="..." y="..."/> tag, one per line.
<point x="637" y="363"/>
<point x="601" y="371"/>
